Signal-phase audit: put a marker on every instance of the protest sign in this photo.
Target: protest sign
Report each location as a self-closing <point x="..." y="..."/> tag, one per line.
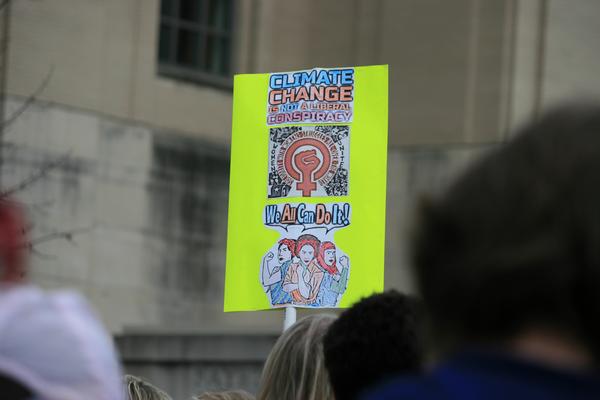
<point x="307" y="188"/>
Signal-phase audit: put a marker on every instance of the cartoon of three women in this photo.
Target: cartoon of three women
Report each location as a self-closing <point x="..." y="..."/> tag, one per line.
<point x="307" y="275"/>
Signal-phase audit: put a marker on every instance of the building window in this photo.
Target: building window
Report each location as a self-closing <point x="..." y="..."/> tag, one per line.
<point x="195" y="41"/>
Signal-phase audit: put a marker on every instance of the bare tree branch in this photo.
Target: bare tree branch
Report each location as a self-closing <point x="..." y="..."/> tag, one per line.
<point x="39" y="254"/>
<point x="65" y="235"/>
<point x="41" y="173"/>
<point x="32" y="98"/>
<point x="45" y="168"/>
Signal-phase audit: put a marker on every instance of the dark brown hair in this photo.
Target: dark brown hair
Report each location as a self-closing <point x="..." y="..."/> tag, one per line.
<point x="515" y="242"/>
<point x="376" y="339"/>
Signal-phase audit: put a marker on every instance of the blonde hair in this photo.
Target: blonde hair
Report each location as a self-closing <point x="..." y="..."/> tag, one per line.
<point x="225" y="395"/>
<point x="139" y="389"/>
<point x="295" y="368"/>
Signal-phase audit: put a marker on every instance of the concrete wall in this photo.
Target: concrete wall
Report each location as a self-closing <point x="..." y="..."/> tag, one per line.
<point x="149" y="208"/>
<point x="555" y="57"/>
<point x="460" y="72"/>
<point x="102" y="55"/>
<point x="449" y="61"/>
<point x="185" y="365"/>
<point x="571" y="56"/>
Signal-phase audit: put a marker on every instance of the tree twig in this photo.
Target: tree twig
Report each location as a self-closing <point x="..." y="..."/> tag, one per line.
<point x="41" y="173"/>
<point x="32" y="98"/>
<point x="66" y="235"/>
<point x="42" y="255"/>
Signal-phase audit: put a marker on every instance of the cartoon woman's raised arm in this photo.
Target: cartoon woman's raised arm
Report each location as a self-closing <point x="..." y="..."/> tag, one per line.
<point x="270" y="276"/>
<point x="344" y="262"/>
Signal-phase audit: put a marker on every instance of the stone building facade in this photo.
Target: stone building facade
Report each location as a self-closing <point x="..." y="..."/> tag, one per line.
<point x="146" y="178"/>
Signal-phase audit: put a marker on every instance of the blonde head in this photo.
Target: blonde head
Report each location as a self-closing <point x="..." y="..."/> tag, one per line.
<point x="226" y="395"/>
<point x="295" y="368"/>
<point x="138" y="389"/>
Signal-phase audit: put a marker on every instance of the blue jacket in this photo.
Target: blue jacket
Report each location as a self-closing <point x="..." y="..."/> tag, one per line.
<point x="487" y="376"/>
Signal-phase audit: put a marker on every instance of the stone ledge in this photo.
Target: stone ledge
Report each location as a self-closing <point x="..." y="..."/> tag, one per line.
<point x="190" y="348"/>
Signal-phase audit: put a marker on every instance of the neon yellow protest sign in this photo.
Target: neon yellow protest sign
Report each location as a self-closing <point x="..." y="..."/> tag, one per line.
<point x="307" y="188"/>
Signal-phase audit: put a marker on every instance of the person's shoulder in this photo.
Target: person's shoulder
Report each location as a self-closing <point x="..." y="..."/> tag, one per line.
<point x="405" y="388"/>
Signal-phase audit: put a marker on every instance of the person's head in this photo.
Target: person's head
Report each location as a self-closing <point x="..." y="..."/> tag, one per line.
<point x="53" y="346"/>
<point x="140" y="389"/>
<point x="295" y="368"/>
<point x="377" y="338"/>
<point x="326" y="257"/>
<point x="307" y="246"/>
<point x="285" y="251"/>
<point x="13" y="242"/>
<point x="225" y="395"/>
<point x="514" y="243"/>
<point x="14" y="390"/>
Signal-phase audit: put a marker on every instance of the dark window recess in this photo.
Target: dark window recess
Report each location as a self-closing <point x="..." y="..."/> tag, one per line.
<point x="195" y="40"/>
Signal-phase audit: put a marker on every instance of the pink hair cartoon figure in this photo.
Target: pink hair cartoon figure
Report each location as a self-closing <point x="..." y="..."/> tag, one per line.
<point x="335" y="277"/>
